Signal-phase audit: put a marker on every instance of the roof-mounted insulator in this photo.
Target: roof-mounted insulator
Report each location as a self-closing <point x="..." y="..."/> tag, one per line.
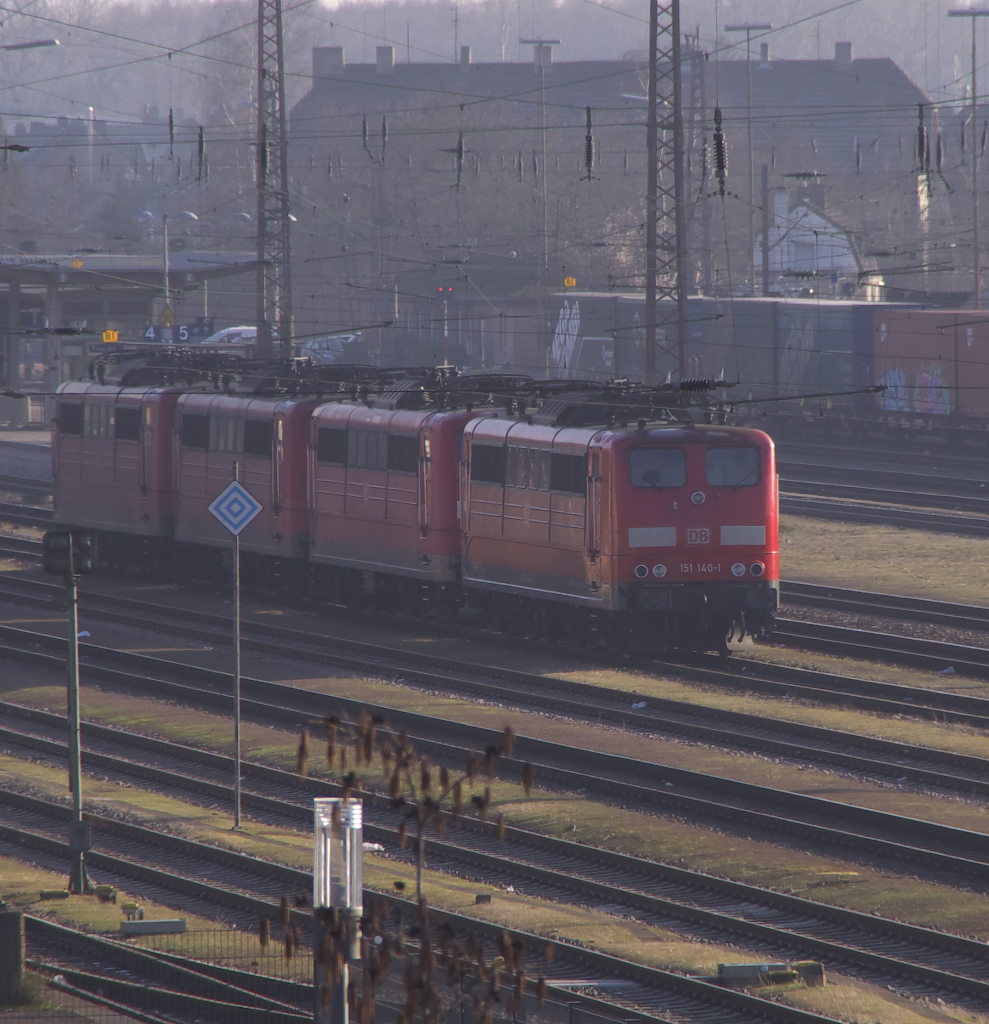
<point x="720" y="153"/>
<point x="694" y="384"/>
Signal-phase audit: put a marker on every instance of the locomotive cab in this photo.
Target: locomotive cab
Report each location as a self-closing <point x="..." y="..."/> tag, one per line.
<point x="687" y="526"/>
<point x="112" y="465"/>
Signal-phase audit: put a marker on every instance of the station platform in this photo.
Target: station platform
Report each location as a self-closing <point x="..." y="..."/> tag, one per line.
<point x="25" y="457"/>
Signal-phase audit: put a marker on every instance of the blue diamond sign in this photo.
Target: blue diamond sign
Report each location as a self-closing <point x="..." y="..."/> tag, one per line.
<point x="235" y="508"/>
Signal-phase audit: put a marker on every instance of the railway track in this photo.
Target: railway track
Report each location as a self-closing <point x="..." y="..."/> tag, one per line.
<point x="879" y="511"/>
<point x="25" y="515"/>
<point x="910" y="488"/>
<point x="711" y="908"/>
<point x="699" y="797"/>
<point x="737" y="730"/>
<point x="133" y="853"/>
<point x="121" y="978"/>
<point x="892" y="606"/>
<point x="865" y="644"/>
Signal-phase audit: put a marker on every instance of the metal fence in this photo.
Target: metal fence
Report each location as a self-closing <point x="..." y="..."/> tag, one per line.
<point x="288" y="958"/>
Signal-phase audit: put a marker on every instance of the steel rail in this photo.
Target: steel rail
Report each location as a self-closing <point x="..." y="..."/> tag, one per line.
<point x="699" y="995"/>
<point x="20" y="546"/>
<point x="851" y="511"/>
<point x="629" y="878"/>
<point x="877" y="483"/>
<point x="736" y="730"/>
<point x="25" y="485"/>
<point x="25" y="515"/>
<point x="648" y="783"/>
<point x="911" y="652"/>
<point x="894" y="606"/>
<point x="873" y="695"/>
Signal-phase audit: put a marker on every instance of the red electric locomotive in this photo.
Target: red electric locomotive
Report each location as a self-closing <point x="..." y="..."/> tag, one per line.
<point x="112" y="466"/>
<point x="649" y="535"/>
<point x="383" y="491"/>
<point x="266" y="438"/>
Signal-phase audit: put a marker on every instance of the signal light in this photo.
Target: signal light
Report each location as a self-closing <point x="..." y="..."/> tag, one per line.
<point x="69" y="554"/>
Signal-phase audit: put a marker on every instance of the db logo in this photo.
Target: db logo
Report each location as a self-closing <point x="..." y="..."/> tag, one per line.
<point x="698" y="535"/>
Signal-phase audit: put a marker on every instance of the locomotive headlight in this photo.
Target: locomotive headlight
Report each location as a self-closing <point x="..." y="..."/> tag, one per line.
<point x="738" y="569"/>
<point x="697" y="497"/>
<point x="659" y="571"/>
<point x="757" y="568"/>
<point x="642" y="571"/>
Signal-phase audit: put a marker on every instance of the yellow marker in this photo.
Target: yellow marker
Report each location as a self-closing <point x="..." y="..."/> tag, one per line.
<point x="570" y="282"/>
<point x="109" y="336"/>
<point x="77" y="264"/>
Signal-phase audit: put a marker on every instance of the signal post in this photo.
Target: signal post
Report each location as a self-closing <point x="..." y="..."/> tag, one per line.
<point x="69" y="555"/>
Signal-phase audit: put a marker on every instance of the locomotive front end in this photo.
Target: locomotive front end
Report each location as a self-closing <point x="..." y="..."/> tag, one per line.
<point x="694" y="532"/>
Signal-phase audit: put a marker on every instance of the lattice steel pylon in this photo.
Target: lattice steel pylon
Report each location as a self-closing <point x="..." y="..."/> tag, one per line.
<point x="666" y="241"/>
<point x="274" y="283"/>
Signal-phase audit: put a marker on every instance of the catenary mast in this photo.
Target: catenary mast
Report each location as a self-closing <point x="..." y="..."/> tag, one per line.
<point x="666" y="243"/>
<point x="274" y="280"/>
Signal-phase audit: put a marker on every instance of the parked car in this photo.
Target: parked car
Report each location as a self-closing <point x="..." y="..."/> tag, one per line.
<point x="232" y="335"/>
<point x="333" y="348"/>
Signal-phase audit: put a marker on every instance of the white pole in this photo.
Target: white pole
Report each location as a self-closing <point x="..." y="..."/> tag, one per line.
<point x="236" y="669"/>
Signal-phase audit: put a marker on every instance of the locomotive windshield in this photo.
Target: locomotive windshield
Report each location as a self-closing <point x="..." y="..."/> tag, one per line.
<point x="732" y="467"/>
<point x="658" y="467"/>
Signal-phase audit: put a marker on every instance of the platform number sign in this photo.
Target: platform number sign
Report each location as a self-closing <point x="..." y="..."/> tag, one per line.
<point x="235" y="508"/>
<point x="197" y="330"/>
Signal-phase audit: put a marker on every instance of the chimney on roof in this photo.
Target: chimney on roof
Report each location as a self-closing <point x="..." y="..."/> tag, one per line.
<point x="843" y="55"/>
<point x="764" y="55"/>
<point x="464" y="58"/>
<point x="327" y="61"/>
<point x="384" y="60"/>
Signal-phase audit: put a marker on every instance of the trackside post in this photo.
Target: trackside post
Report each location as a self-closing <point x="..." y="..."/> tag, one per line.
<point x="69" y="555"/>
<point x="235" y="508"/>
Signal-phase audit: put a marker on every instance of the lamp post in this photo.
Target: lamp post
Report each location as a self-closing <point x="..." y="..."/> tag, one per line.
<point x="973" y="13"/>
<point x="338" y="901"/>
<point x="748" y="28"/>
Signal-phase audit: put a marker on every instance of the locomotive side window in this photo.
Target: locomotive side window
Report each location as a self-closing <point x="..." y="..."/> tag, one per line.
<point x="403" y="453"/>
<point x="516" y="467"/>
<point x="658" y="467"/>
<point x="226" y="434"/>
<point x="71" y="418"/>
<point x="98" y="419"/>
<point x="195" y="431"/>
<point x="127" y="424"/>
<point x="539" y="470"/>
<point x="331" y="446"/>
<point x="568" y="473"/>
<point x="257" y="438"/>
<point x="487" y="463"/>
<point x="732" y="467"/>
<point x="367" y="449"/>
